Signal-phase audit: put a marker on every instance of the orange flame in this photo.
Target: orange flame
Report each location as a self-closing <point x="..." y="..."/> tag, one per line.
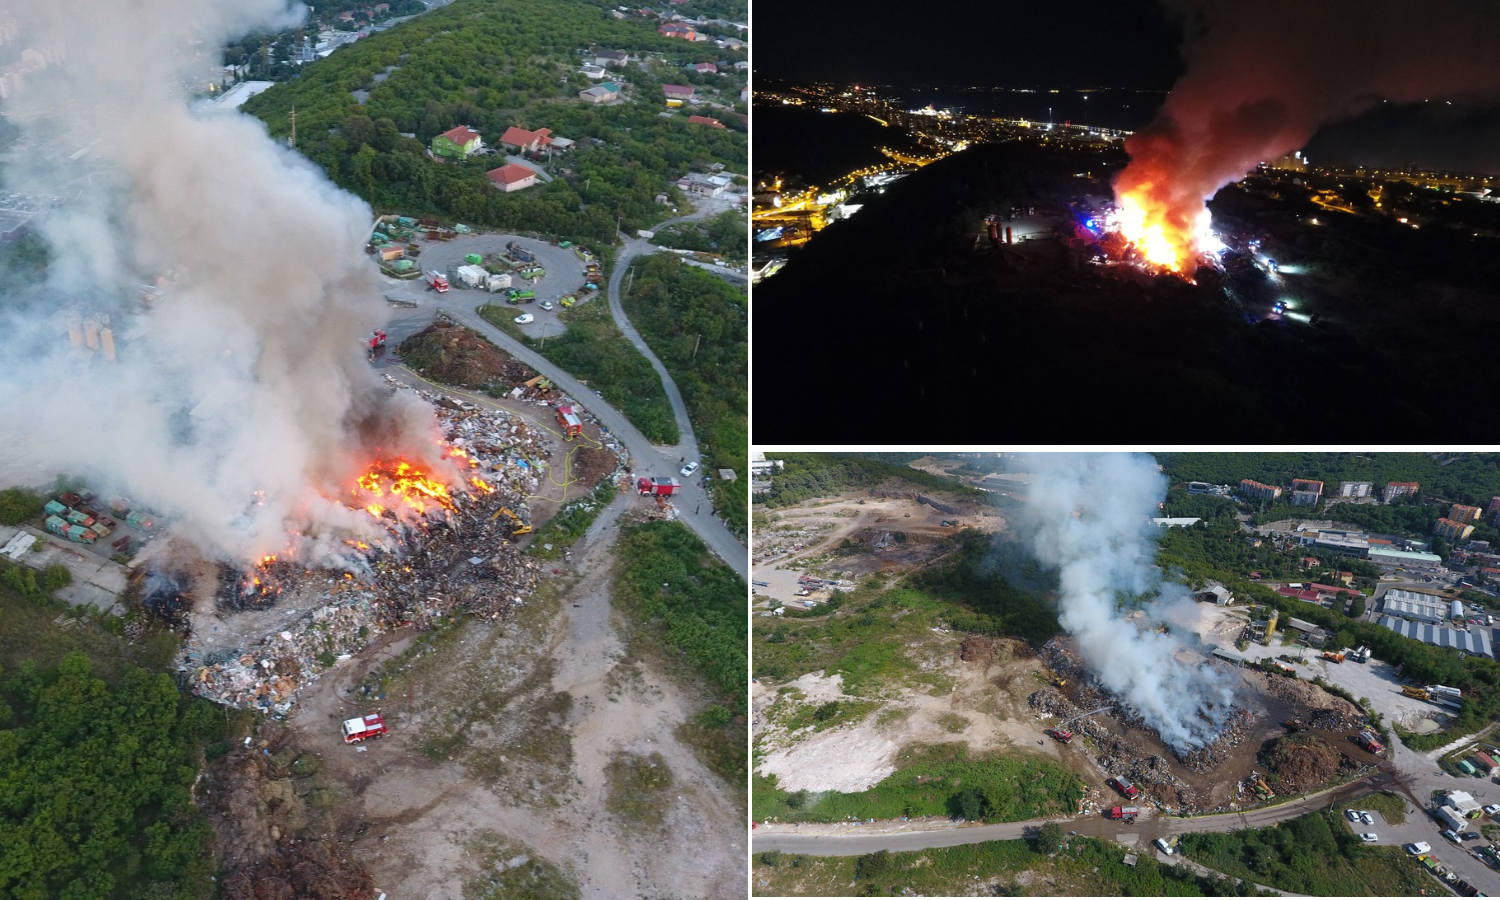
<point x="405" y="485"/>
<point x="1145" y="225"/>
<point x="481" y="485"/>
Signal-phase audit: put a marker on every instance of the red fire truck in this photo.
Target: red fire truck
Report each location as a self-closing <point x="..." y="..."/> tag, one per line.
<point x="572" y="426"/>
<point x="365" y="728"/>
<point x="658" y="487"/>
<point x="1062" y="734"/>
<point x="1124" y="786"/>
<point x="1125" y="812"/>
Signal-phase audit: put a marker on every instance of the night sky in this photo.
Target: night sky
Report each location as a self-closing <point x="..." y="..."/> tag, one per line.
<point x="1086" y="43"/>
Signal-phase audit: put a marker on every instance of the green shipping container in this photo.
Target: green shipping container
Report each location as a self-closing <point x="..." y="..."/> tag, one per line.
<point x="402" y="265"/>
<point x="53" y="508"/>
<point x="1468" y="769"/>
<point x="565" y="244"/>
<point x="473" y="259"/>
<point x="407" y="222"/>
<point x="461" y="229"/>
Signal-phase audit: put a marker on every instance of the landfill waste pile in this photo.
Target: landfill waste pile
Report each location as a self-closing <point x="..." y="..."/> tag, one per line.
<point x="450" y="353"/>
<point x="1304" y="762"/>
<point x="444" y="553"/>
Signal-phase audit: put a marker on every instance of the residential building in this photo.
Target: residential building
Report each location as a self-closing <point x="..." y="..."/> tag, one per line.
<point x="765" y="466"/>
<point x="1492" y="509"/>
<point x="512" y="177"/>
<point x="677" y="30"/>
<point x="594" y="73"/>
<point x="611" y="58"/>
<point x="457" y="143"/>
<point x="605" y="92"/>
<point x="1304" y="498"/>
<point x="703" y="68"/>
<point x="698" y="183"/>
<point x="1307" y="484"/>
<point x="705" y="120"/>
<point x="1415" y="605"/>
<point x="1460" y="513"/>
<point x="1355" y="488"/>
<point x="1257" y="491"/>
<point x="1400" y="489"/>
<point x="678" y="91"/>
<point x="525" y="141"/>
<point x="1450" y="530"/>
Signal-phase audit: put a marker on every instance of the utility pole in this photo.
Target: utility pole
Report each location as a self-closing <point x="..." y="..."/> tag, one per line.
<point x="629" y="280"/>
<point x="696" y="342"/>
<point x="293" y="142"/>
<point x="544" y="336"/>
<point x="618" y="222"/>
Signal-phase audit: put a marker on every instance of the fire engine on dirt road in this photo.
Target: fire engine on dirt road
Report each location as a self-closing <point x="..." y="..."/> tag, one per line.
<point x="365" y="728"/>
<point x="572" y="425"/>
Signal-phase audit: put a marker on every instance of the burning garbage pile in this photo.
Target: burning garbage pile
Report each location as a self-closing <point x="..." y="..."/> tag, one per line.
<point x="164" y="595"/>
<point x="448" y="549"/>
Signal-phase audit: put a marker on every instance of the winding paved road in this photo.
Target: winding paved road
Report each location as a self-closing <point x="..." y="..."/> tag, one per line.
<point x="693" y="505"/>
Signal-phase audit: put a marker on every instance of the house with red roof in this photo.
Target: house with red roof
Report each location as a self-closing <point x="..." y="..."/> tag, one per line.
<point x="512" y="177"/>
<point x="677" y="30"/>
<point x="704" y="68"/>
<point x="705" y="120"/>
<point x="526" y="141"/>
<point x="678" y="91"/>
<point x="457" y="143"/>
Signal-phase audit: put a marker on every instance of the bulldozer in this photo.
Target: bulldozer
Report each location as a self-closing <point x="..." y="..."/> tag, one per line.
<point x="521" y="527"/>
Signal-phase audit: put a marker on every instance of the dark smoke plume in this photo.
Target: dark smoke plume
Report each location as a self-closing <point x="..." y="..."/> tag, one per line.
<point x="1264" y="75"/>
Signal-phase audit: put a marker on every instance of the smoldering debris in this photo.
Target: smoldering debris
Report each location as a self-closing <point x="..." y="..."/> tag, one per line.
<point x="456" y="561"/>
<point x="164" y="595"/>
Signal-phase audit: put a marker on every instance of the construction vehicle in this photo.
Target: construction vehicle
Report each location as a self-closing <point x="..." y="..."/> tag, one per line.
<point x="1416" y="693"/>
<point x="364" y="728"/>
<point x="1367" y="740"/>
<point x="1123" y="785"/>
<point x="438" y="281"/>
<point x="1362" y="655"/>
<point x="1292" y="725"/>
<point x="572" y="425"/>
<point x="518" y="296"/>
<point x="1125" y="812"/>
<point x="658" y="487"/>
<point x="1333" y="657"/>
<point x="522" y="527"/>
<point x="1062" y="734"/>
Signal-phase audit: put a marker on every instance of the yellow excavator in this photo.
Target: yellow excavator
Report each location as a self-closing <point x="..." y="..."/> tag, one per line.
<point x="521" y="527"/>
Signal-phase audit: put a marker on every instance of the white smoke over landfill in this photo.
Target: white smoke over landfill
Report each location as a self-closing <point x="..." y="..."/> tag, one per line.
<point x="1089" y="515"/>
<point x="241" y="398"/>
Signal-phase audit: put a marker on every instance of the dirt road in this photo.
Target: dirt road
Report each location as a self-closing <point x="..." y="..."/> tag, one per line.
<point x="505" y="730"/>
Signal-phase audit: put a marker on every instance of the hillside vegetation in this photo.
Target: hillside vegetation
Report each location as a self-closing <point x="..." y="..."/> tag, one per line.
<point x="698" y="326"/>
<point x="491" y="64"/>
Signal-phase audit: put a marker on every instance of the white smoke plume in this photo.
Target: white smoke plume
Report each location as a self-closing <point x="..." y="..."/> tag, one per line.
<point x="242" y="399"/>
<point x="1089" y="515"/>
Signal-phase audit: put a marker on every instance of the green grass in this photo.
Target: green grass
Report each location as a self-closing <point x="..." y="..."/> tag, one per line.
<point x="792" y="715"/>
<point x="927" y="782"/>
<point x="687" y="609"/>
<point x="638" y="788"/>
<point x="697" y="325"/>
<point x="1312" y="854"/>
<point x="1087" y="868"/>
<point x="513" y="871"/>
<point x="1388" y="804"/>
<point x="594" y="351"/>
<point x="571" y="522"/>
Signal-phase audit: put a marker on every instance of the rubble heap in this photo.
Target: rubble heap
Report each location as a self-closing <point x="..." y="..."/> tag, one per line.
<point x="454" y="561"/>
<point x="1303" y="762"/>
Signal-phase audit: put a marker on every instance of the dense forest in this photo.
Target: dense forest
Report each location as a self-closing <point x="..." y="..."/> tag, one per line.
<point x="1471" y="478"/>
<point x="809" y="475"/>
<point x="491" y="64"/>
<point x="726" y="234"/>
<point x="95" y="784"/>
<point x="698" y="326"/>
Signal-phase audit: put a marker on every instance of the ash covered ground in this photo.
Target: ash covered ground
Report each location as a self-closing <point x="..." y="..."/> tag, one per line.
<point x="1292" y="733"/>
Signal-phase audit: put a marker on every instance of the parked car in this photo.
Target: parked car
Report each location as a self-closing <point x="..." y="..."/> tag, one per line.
<point x="1488" y="810"/>
<point x="547" y="305"/>
<point x="1351" y="815"/>
<point x="689" y="469"/>
<point x="1369" y="837"/>
<point x="525" y="318"/>
<point x="1165" y="847"/>
<point x="1470" y="836"/>
<point x="1450" y="835"/>
<point x="1419" y="847"/>
<point x="1364" y="816"/>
